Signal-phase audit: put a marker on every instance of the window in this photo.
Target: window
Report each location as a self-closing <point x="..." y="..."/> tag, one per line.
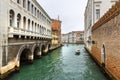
<point x="24" y="3"/>
<point x="28" y="5"/>
<point x="28" y="24"/>
<point x="35" y="11"/>
<point x="32" y="9"/>
<point x="11" y="17"/>
<point x="32" y="25"/>
<point x="24" y="23"/>
<point x="18" y="20"/>
<point x="35" y="29"/>
<point x="38" y="28"/>
<point x="38" y="13"/>
<point x="97" y="13"/>
<point x="18" y="1"/>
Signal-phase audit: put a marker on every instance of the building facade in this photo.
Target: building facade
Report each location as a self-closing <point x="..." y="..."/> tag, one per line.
<point x="95" y="9"/>
<point x="25" y="27"/>
<point x="73" y="37"/>
<point x="64" y="38"/>
<point x="56" y="31"/>
<point x="106" y="42"/>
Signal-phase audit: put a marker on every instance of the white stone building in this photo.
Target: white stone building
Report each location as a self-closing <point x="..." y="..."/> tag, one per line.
<point x="95" y="9"/>
<point x="73" y="37"/>
<point x="22" y="18"/>
<point x="64" y="38"/>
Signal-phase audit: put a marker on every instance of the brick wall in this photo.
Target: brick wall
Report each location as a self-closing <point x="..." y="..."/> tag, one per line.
<point x="107" y="33"/>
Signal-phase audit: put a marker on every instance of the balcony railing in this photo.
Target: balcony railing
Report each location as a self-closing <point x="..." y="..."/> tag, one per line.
<point x="17" y="31"/>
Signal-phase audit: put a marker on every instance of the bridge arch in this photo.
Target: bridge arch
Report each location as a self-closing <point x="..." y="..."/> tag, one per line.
<point x="24" y="54"/>
<point x="36" y="51"/>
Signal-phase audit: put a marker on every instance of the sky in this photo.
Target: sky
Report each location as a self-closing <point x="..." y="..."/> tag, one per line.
<point x="70" y="12"/>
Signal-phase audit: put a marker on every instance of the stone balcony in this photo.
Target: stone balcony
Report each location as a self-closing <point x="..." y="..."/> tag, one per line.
<point x="26" y="33"/>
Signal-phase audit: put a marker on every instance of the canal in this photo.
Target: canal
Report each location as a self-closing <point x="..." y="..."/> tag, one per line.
<point x="62" y="64"/>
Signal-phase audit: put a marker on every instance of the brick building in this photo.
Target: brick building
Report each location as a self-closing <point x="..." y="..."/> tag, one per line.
<point x="56" y="31"/>
<point x="95" y="9"/>
<point x="106" y="41"/>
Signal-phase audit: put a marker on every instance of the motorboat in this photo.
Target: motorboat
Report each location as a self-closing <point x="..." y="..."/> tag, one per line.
<point x="77" y="51"/>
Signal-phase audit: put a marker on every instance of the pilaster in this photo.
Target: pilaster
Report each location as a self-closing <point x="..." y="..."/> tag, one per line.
<point x="3" y="32"/>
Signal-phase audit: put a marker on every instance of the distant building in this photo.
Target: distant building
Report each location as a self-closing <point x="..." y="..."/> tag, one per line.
<point x="95" y="9"/>
<point x="64" y="38"/>
<point x="56" y="31"/>
<point x="73" y="37"/>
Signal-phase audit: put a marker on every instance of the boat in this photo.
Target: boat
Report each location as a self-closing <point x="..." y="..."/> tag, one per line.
<point x="77" y="51"/>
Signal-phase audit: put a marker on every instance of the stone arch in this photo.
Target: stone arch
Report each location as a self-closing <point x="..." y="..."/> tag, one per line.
<point x="103" y="55"/>
<point x="26" y="53"/>
<point x="36" y="51"/>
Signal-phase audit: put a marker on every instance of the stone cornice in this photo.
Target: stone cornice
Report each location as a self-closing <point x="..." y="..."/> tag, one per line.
<point x="114" y="11"/>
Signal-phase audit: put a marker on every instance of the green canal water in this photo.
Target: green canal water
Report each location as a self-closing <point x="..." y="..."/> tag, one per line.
<point x="62" y="64"/>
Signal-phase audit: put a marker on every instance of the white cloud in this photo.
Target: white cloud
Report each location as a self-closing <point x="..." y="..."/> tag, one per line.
<point x="71" y="12"/>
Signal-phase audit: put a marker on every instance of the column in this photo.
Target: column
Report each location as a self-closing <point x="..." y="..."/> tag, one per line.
<point x="30" y="58"/>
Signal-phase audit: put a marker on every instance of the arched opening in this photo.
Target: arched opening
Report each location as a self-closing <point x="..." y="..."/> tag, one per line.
<point x="29" y="24"/>
<point x="11" y="17"/>
<point x="18" y="1"/>
<point x="24" y="23"/>
<point x="24" y="3"/>
<point x="18" y="20"/>
<point x="24" y="57"/>
<point x="103" y="55"/>
<point x="32" y="26"/>
<point x="43" y="49"/>
<point x="38" y="28"/>
<point x="37" y="53"/>
<point x="35" y="29"/>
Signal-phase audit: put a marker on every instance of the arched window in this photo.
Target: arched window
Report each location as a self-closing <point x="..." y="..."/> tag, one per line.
<point x="18" y="20"/>
<point x="29" y="24"/>
<point x="103" y="55"/>
<point x="35" y="11"/>
<point x="38" y="13"/>
<point x="24" y="23"/>
<point x="32" y="8"/>
<point x="18" y="1"/>
<point x="35" y="30"/>
<point x="24" y="3"/>
<point x="32" y="26"/>
<point x="38" y="29"/>
<point x="28" y="5"/>
<point x="11" y="17"/>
